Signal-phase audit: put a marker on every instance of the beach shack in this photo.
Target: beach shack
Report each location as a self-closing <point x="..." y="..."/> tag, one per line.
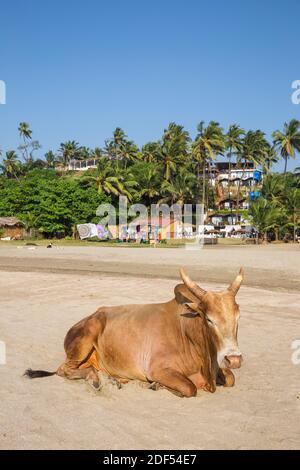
<point x="160" y="228"/>
<point x="11" y="228"/>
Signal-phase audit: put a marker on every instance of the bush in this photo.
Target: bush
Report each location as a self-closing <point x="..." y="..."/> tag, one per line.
<point x="56" y="203"/>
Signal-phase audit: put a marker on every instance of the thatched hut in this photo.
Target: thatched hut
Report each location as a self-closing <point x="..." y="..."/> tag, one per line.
<point x="11" y="227"/>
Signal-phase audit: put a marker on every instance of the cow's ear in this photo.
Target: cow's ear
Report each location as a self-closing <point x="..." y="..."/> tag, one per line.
<point x="184" y="295"/>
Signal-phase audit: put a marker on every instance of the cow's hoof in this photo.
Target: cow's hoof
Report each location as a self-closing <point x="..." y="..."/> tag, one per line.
<point x="115" y="382"/>
<point x="230" y="380"/>
<point x="95" y="385"/>
<point x="225" y="378"/>
<point x="154" y="386"/>
<point x="209" y="388"/>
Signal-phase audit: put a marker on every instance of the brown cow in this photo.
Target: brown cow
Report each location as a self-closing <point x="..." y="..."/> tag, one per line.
<point x="185" y="344"/>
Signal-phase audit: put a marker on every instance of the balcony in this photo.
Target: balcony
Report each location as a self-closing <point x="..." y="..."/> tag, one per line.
<point x="82" y="165"/>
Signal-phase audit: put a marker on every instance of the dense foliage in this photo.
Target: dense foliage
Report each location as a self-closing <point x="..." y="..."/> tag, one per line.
<point x="277" y="212"/>
<point x="50" y="198"/>
<point x="49" y="203"/>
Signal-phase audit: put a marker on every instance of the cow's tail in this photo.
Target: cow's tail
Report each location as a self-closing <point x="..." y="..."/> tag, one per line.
<point x="34" y="374"/>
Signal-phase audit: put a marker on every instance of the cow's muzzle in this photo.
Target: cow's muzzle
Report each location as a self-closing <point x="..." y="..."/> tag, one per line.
<point x="234" y="362"/>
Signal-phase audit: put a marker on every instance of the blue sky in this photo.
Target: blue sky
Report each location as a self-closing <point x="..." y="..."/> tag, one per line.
<point x="77" y="69"/>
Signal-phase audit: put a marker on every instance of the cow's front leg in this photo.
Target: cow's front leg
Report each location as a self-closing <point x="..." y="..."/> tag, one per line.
<point x="174" y="381"/>
<point x="225" y="377"/>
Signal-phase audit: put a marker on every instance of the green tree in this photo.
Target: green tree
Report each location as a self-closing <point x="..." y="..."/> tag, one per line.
<point x="292" y="204"/>
<point x="174" y="149"/>
<point x="180" y="190"/>
<point x="67" y="151"/>
<point x="26" y="134"/>
<point x="254" y="149"/>
<point x="234" y="147"/>
<point x="151" y="152"/>
<point x="270" y="159"/>
<point x="105" y="179"/>
<point x="30" y="223"/>
<point x="209" y="143"/>
<point x="288" y="141"/>
<point x="129" y="185"/>
<point x="273" y="187"/>
<point x="10" y="165"/>
<point x="55" y="203"/>
<point x="50" y="158"/>
<point x="97" y="154"/>
<point x="149" y="182"/>
<point x="265" y="216"/>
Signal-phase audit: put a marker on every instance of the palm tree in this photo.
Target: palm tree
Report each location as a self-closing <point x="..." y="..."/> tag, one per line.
<point x="174" y="149"/>
<point x="30" y="223"/>
<point x="50" y="158"/>
<point x="254" y="149"/>
<point x="25" y="131"/>
<point x="118" y="137"/>
<point x="10" y="164"/>
<point x="168" y="164"/>
<point x="234" y="146"/>
<point x="180" y="190"/>
<point x="150" y="152"/>
<point x="208" y="144"/>
<point x="273" y="188"/>
<point x="292" y="204"/>
<point x="26" y="134"/>
<point x="128" y="183"/>
<point x="84" y="154"/>
<point x="129" y="152"/>
<point x="113" y="146"/>
<point x="288" y="140"/>
<point x="270" y="158"/>
<point x="67" y="151"/>
<point x="104" y="179"/>
<point x="265" y="216"/>
<point x="150" y="184"/>
<point x="97" y="154"/>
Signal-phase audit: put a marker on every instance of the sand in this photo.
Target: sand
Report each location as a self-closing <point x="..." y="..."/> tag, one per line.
<point x="43" y="292"/>
<point x="271" y="266"/>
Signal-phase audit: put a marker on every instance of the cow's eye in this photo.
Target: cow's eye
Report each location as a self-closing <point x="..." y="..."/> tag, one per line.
<point x="210" y="321"/>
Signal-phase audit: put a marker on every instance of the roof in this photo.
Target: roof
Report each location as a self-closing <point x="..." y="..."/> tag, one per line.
<point x="225" y="166"/>
<point x="10" y="221"/>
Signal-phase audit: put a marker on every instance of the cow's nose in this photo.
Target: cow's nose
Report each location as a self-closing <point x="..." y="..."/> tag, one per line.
<point x="234" y="362"/>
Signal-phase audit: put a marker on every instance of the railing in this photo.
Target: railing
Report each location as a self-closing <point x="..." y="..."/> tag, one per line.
<point x="82" y="165"/>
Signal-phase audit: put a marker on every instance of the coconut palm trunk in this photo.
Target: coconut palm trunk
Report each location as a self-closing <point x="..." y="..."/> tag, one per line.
<point x="239" y="191"/>
<point x="285" y="165"/>
<point x="229" y="184"/>
<point x="203" y="184"/>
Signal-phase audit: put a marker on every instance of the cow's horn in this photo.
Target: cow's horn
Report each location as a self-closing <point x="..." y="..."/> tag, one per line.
<point x="192" y="286"/>
<point x="234" y="287"/>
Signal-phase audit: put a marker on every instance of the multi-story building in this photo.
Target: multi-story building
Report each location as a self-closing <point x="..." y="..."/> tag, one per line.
<point x="235" y="188"/>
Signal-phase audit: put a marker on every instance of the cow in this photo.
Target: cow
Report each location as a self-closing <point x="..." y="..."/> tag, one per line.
<point x="185" y="344"/>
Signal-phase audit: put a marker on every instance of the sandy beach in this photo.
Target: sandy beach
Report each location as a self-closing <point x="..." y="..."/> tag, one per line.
<point x="45" y="291"/>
